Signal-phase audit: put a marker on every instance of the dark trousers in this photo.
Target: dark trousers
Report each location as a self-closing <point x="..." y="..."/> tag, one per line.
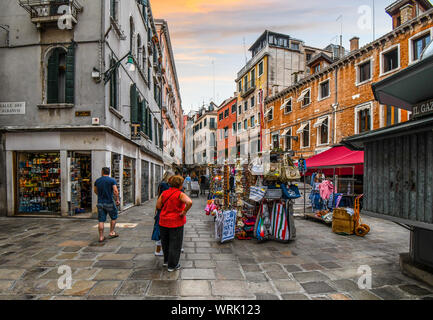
<point x="171" y="240"/>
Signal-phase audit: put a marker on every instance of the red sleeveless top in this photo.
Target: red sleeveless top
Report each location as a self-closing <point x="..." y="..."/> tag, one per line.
<point x="172" y="208"/>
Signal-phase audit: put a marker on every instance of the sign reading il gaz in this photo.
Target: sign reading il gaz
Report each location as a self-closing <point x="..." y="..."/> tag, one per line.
<point x="423" y="109"/>
<point x="8" y="108"/>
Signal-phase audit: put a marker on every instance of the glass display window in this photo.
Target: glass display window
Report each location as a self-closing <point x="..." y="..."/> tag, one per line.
<point x="128" y="181"/>
<point x="81" y="182"/>
<point x="39" y="183"/>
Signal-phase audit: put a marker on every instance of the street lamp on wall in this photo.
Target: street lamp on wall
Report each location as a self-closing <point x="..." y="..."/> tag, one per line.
<point x="130" y="63"/>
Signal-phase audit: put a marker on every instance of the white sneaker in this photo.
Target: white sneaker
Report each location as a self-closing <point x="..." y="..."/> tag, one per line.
<point x="177" y="268"/>
<point x="159" y="254"/>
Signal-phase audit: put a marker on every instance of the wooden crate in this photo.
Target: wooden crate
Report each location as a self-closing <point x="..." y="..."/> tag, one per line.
<point x="341" y="226"/>
<point x="342" y="222"/>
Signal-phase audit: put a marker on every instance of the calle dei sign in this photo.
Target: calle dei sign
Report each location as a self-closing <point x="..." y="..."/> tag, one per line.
<point x="423" y="109"/>
<point x="10" y="108"/>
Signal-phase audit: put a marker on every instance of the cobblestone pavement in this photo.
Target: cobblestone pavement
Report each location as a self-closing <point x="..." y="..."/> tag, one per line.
<point x="318" y="265"/>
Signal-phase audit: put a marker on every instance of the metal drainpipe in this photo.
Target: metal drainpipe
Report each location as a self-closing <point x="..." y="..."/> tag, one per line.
<point x="101" y="44"/>
<point x="334" y="109"/>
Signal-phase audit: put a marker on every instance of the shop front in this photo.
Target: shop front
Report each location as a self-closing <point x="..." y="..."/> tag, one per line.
<point x="53" y="173"/>
<point x="398" y="171"/>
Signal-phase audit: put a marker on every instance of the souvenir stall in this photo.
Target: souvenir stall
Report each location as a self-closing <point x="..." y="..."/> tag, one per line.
<point x="336" y="181"/>
<point x="261" y="206"/>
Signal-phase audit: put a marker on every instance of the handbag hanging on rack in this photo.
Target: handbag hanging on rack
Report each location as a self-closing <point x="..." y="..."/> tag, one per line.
<point x="289" y="172"/>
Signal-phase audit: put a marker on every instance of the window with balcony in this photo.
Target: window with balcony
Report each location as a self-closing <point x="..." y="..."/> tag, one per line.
<point x="61" y="76"/>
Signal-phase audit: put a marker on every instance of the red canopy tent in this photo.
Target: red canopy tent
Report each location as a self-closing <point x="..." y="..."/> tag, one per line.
<point x="340" y="159"/>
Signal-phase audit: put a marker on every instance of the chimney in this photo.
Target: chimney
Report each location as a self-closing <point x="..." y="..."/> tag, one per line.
<point x="354" y="44"/>
<point x="406" y="13"/>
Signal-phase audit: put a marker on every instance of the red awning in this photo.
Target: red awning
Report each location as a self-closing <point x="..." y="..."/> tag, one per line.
<point x="338" y="157"/>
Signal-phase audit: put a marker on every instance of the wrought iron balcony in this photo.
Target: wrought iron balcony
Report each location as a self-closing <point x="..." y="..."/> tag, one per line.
<point x="248" y="88"/>
<point x="51" y="11"/>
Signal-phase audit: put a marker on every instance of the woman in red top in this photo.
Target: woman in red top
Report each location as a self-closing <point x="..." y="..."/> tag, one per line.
<point x="174" y="205"/>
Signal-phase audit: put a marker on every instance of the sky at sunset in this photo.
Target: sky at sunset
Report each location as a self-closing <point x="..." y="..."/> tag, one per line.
<point x="208" y="36"/>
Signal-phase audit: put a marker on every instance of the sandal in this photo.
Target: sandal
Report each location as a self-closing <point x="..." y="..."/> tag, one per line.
<point x="115" y="235"/>
<point x="103" y="240"/>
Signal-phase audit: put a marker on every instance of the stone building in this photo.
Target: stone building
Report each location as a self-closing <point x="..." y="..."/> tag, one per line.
<point x="63" y="116"/>
<point x="278" y="61"/>
<point x="336" y="100"/>
<point x="172" y="113"/>
<point x="204" y="132"/>
<point x="227" y="131"/>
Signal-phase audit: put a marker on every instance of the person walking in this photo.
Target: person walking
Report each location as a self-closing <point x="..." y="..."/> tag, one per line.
<point x="163" y="186"/>
<point x="105" y="188"/>
<point x="174" y="206"/>
<point x="203" y="182"/>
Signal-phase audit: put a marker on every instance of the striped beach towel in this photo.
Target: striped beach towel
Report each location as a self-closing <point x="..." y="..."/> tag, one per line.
<point x="280" y="227"/>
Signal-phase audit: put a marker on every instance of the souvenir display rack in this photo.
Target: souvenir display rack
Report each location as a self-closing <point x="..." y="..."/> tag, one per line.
<point x="39" y="183"/>
<point x="81" y="196"/>
<point x="128" y="181"/>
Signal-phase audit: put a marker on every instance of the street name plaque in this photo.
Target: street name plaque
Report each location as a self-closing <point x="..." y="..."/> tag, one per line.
<point x="8" y="108"/>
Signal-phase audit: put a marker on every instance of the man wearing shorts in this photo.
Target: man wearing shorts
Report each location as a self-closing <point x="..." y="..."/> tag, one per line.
<point x="105" y="188"/>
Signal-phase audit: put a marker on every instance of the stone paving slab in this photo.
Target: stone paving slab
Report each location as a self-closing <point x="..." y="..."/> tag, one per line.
<point x="319" y="265"/>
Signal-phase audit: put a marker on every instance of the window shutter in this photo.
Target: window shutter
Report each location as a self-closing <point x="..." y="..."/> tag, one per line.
<point x="70" y="74"/>
<point x="53" y="77"/>
<point x="113" y="87"/>
<point x="150" y="126"/>
<point x="134" y="106"/>
<point x="145" y="122"/>
<point x="142" y="116"/>
<point x="160" y="136"/>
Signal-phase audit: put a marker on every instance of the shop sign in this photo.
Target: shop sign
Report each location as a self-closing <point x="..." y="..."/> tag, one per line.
<point x="8" y="108"/>
<point x="83" y="113"/>
<point x="423" y="109"/>
<point x="135" y="132"/>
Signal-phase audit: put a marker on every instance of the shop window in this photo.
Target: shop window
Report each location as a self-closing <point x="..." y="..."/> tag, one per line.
<point x="81" y="182"/>
<point x="39" y="183"/>
<point x="390" y="60"/>
<point x="364" y="72"/>
<point x="128" y="181"/>
<point x="61" y="76"/>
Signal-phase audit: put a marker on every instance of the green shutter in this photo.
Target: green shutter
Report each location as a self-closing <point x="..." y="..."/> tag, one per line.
<point x="70" y="74"/>
<point x="146" y="122"/>
<point x="134" y="106"/>
<point x="141" y="109"/>
<point x="113" y="86"/>
<point x="150" y="126"/>
<point x="160" y="136"/>
<point x="53" y="77"/>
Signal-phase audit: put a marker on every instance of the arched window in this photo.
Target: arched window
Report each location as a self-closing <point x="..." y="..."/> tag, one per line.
<point x="61" y="76"/>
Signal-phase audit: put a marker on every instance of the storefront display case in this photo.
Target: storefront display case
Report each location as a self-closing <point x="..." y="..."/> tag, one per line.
<point x="39" y="183"/>
<point x="128" y="181"/>
<point x="80" y="184"/>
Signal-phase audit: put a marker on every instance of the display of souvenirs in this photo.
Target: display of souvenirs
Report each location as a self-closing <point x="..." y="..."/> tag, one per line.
<point x="81" y="188"/>
<point x="128" y="181"/>
<point x="39" y="182"/>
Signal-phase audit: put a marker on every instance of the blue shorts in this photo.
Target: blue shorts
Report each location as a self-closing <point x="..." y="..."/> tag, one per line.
<point x="105" y="209"/>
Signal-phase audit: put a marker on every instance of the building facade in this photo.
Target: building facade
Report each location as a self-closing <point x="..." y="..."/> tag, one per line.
<point x="336" y="101"/>
<point x="189" y="139"/>
<point x="278" y="61"/>
<point x="172" y="112"/>
<point x="227" y="132"/>
<point x="205" y="131"/>
<point x="81" y="106"/>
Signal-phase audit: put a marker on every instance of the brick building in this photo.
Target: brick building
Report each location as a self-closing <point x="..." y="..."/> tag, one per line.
<point x="336" y="100"/>
<point x="226" y="133"/>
